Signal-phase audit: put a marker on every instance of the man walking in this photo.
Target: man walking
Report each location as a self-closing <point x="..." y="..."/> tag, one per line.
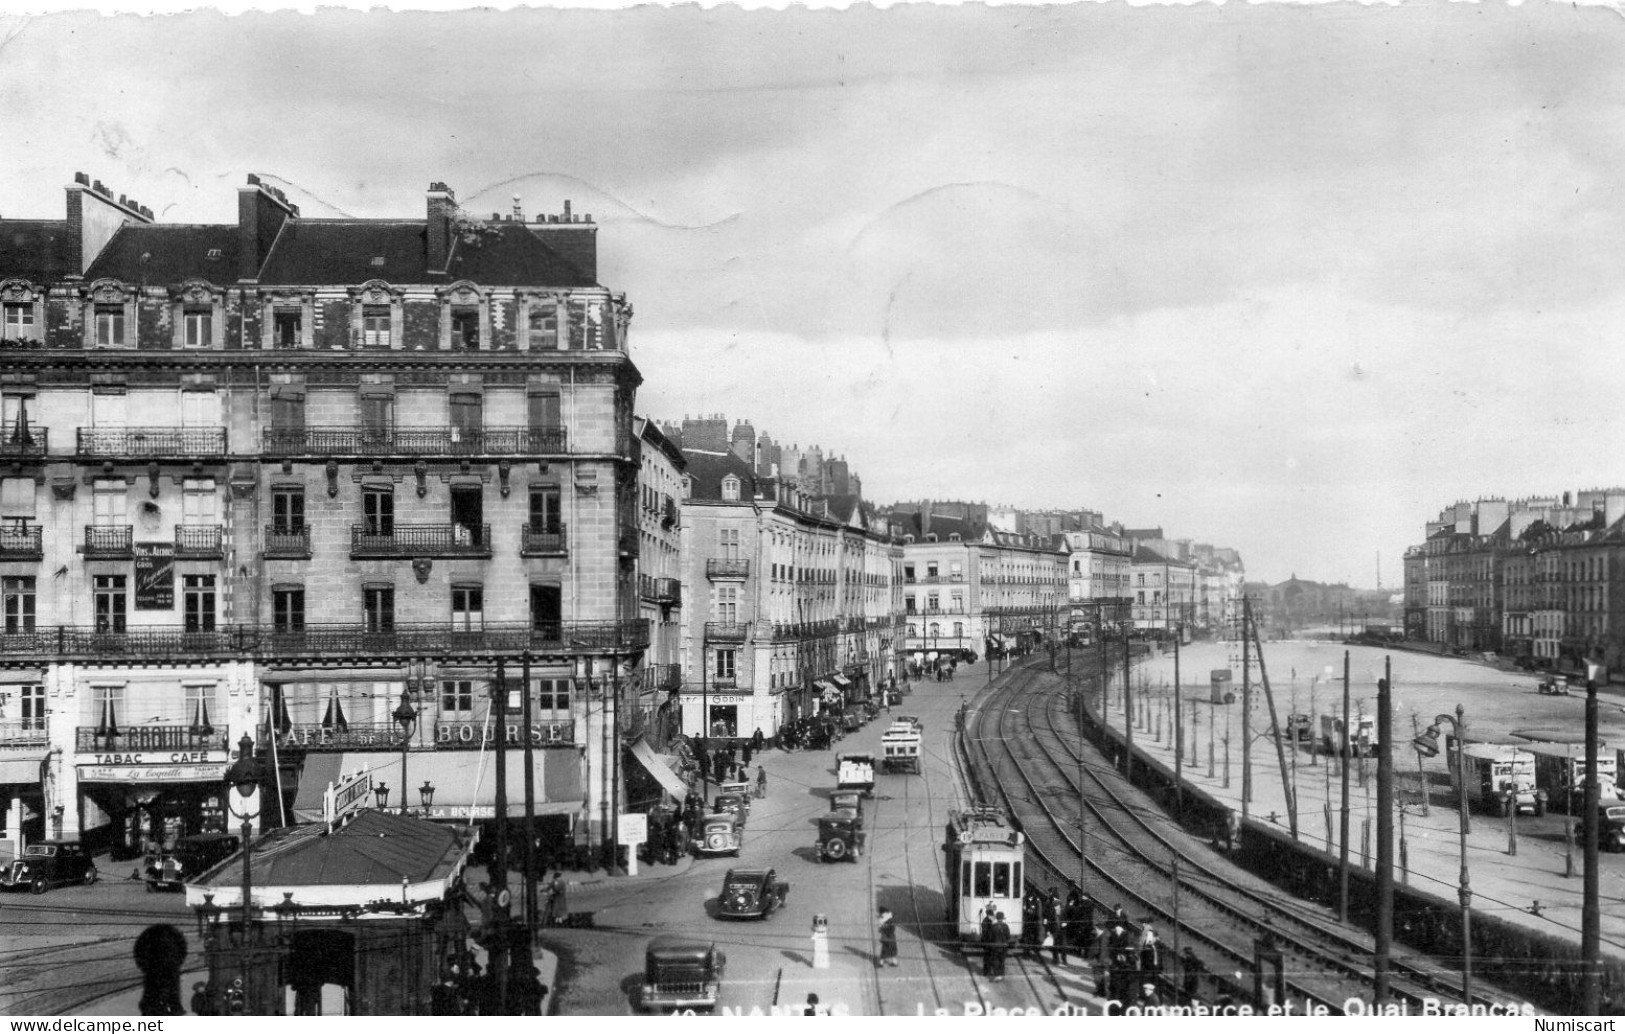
<point x="761" y="782"/>
<point x="888" y="938"/>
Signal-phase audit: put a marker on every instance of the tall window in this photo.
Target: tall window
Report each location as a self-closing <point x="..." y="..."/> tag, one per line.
<point x="467" y="417"/>
<point x="108" y="702"/>
<point x="197" y="602"/>
<point x="728" y="604"/>
<point x="19" y="602"/>
<point x="110" y="329"/>
<point x="544" y="326"/>
<point x="198" y="502"/>
<point x="725" y="664"/>
<point x="546" y="608"/>
<point x="108" y="408"/>
<point x="465" y="326"/>
<point x="107" y="503"/>
<point x="288" y="509"/>
<point x="467" y="608"/>
<point x="288" y="413"/>
<point x="200" y="702"/>
<point x="932" y="602"/>
<point x="17" y="501"/>
<point x="552" y="699"/>
<point x="31" y="707"/>
<point x="197" y="327"/>
<point x="287" y="328"/>
<point x="377" y="416"/>
<point x="378" y="606"/>
<point x="111" y="602"/>
<point x="728" y="540"/>
<point x="931" y="570"/>
<point x="288" y="609"/>
<point x="544" y="510"/>
<point x="457" y="696"/>
<point x="909" y="605"/>
<point x="19" y="321"/>
<point x="542" y="409"/>
<point x="959" y="629"/>
<point x="378" y="511"/>
<point x="375" y="326"/>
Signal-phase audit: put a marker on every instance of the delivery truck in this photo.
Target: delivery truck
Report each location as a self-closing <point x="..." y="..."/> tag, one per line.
<point x="1559" y="769"/>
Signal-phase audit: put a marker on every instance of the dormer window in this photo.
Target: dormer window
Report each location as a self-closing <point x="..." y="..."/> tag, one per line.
<point x="542" y="325"/>
<point x="287" y="328"/>
<point x="197" y="325"/>
<point x="199" y="316"/>
<point x="463" y="318"/>
<point x="377" y="262"/>
<point x="730" y="487"/>
<point x="20" y="321"/>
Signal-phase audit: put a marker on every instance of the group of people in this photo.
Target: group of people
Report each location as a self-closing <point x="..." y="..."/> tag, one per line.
<point x="1133" y="963"/>
<point x="810" y="733"/>
<point x="1062" y="929"/>
<point x="466" y="988"/>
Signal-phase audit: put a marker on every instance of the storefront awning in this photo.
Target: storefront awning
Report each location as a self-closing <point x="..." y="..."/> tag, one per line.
<point x="662" y="772"/>
<point x="464" y="781"/>
<point x="21" y="767"/>
<point x="841" y="680"/>
<point x="828" y="691"/>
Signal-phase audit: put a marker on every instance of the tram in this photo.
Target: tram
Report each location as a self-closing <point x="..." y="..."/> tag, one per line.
<point x="985" y="858"/>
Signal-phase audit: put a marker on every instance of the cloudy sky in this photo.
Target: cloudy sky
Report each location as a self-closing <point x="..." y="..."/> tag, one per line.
<point x="1287" y="279"/>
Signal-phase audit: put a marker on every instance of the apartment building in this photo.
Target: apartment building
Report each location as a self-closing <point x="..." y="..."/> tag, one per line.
<point x="319" y="484"/>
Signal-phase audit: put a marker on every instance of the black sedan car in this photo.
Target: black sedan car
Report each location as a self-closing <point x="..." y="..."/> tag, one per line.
<point x="47" y="864"/>
<point x="189" y="858"/>
<point x="750" y="894"/>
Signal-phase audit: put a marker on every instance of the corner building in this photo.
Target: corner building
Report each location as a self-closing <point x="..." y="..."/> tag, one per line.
<point x="320" y="482"/>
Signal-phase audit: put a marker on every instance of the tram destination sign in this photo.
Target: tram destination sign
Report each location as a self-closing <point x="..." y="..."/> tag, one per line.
<point x="154" y="576"/>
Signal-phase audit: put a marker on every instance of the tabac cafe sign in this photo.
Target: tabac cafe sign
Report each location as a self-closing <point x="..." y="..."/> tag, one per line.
<point x="156" y="766"/>
<point x="154" y="576"/>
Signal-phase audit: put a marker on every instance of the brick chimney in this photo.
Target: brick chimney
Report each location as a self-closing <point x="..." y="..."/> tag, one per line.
<point x="442" y="204"/>
<point x="94" y="215"/>
<point x="261" y="211"/>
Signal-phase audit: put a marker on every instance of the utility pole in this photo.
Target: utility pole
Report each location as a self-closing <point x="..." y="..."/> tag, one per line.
<point x="499" y="865"/>
<point x="1590" y="913"/>
<point x="1179" y="748"/>
<point x="1246" y="708"/>
<point x="1343" y="829"/>
<point x="1385" y="829"/>
<point x="529" y="854"/>
<point x="1128" y="716"/>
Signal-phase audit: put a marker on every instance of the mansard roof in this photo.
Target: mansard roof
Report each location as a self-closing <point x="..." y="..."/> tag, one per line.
<point x="168" y="253"/>
<point x="708" y="469"/>
<point x="35" y="249"/>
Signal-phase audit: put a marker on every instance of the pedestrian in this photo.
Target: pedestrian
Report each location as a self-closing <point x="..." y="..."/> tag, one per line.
<point x="757" y="740"/>
<point x="1032" y="923"/>
<point x="1150" y="953"/>
<point x="558" y="908"/>
<point x="1054" y="940"/>
<point x="744" y="754"/>
<point x="989" y="953"/>
<point x="202" y="1000"/>
<point x="159" y="952"/>
<point x="1149" y="998"/>
<point x="812" y="1008"/>
<point x="1191" y="970"/>
<point x="761" y="782"/>
<point x="888" y="938"/>
<point x="1001" y="946"/>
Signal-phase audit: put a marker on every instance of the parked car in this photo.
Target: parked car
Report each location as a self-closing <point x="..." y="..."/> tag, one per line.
<point x="750" y="894"/>
<point x="717" y="834"/>
<point x="1611" y="826"/>
<point x="679" y="973"/>
<point x="190" y="857"/>
<point x="47" y="864"/>
<point x="840" y="835"/>
<point x="736" y="804"/>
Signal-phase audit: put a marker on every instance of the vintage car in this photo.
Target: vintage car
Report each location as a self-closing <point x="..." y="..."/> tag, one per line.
<point x="908" y="719"/>
<point x="840" y="835"/>
<point x="750" y="894"/>
<point x="855" y="772"/>
<point x="738" y="786"/>
<point x="679" y="973"/>
<point x="1611" y="826"/>
<point x="717" y="834"/>
<point x="852" y="721"/>
<point x="189" y="858"/>
<point x="47" y="864"/>
<point x="736" y="804"/>
<point x="847" y="800"/>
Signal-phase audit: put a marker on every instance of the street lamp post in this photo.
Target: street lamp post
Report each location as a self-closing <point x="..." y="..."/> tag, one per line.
<point x="245" y="775"/>
<point x="406" y="717"/>
<point x="1427" y="745"/>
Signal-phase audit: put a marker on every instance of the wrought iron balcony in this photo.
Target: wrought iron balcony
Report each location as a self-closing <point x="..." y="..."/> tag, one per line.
<point x="287" y="543"/>
<point x="726" y="631"/>
<point x="109" y="542"/>
<point x="24" y="543"/>
<point x="719" y="567"/>
<point x="660" y="590"/>
<point x="329" y="641"/>
<point x="96" y="739"/>
<point x="195" y="541"/>
<point x="18" y="442"/>
<point x="723" y="682"/>
<point x="416" y="441"/>
<point x="23" y="732"/>
<point x="151" y="442"/>
<point x="421" y="540"/>
<point x="663" y="677"/>
<point x="543" y="539"/>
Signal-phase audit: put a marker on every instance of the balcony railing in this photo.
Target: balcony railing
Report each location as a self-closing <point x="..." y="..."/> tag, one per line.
<point x="541" y="540"/>
<point x="109" y="542"/>
<point x="151" y="442"/>
<point x="723" y="682"/>
<point x="24" y="732"/>
<point x="329" y="641"/>
<point x="719" y="567"/>
<point x="25" y="443"/>
<point x="726" y="631"/>
<point x="660" y="590"/>
<point x="416" y="441"/>
<point x="92" y="739"/>
<point x="26" y="543"/>
<point x="663" y="677"/>
<point x="284" y="543"/>
<point x="198" y="541"/>
<point x="421" y="540"/>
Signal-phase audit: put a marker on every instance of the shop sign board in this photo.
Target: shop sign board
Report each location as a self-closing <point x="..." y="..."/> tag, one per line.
<point x="153" y="773"/>
<point x="154" y="576"/>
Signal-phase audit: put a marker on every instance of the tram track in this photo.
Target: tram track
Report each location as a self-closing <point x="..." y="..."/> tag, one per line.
<point x="1026" y="756"/>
